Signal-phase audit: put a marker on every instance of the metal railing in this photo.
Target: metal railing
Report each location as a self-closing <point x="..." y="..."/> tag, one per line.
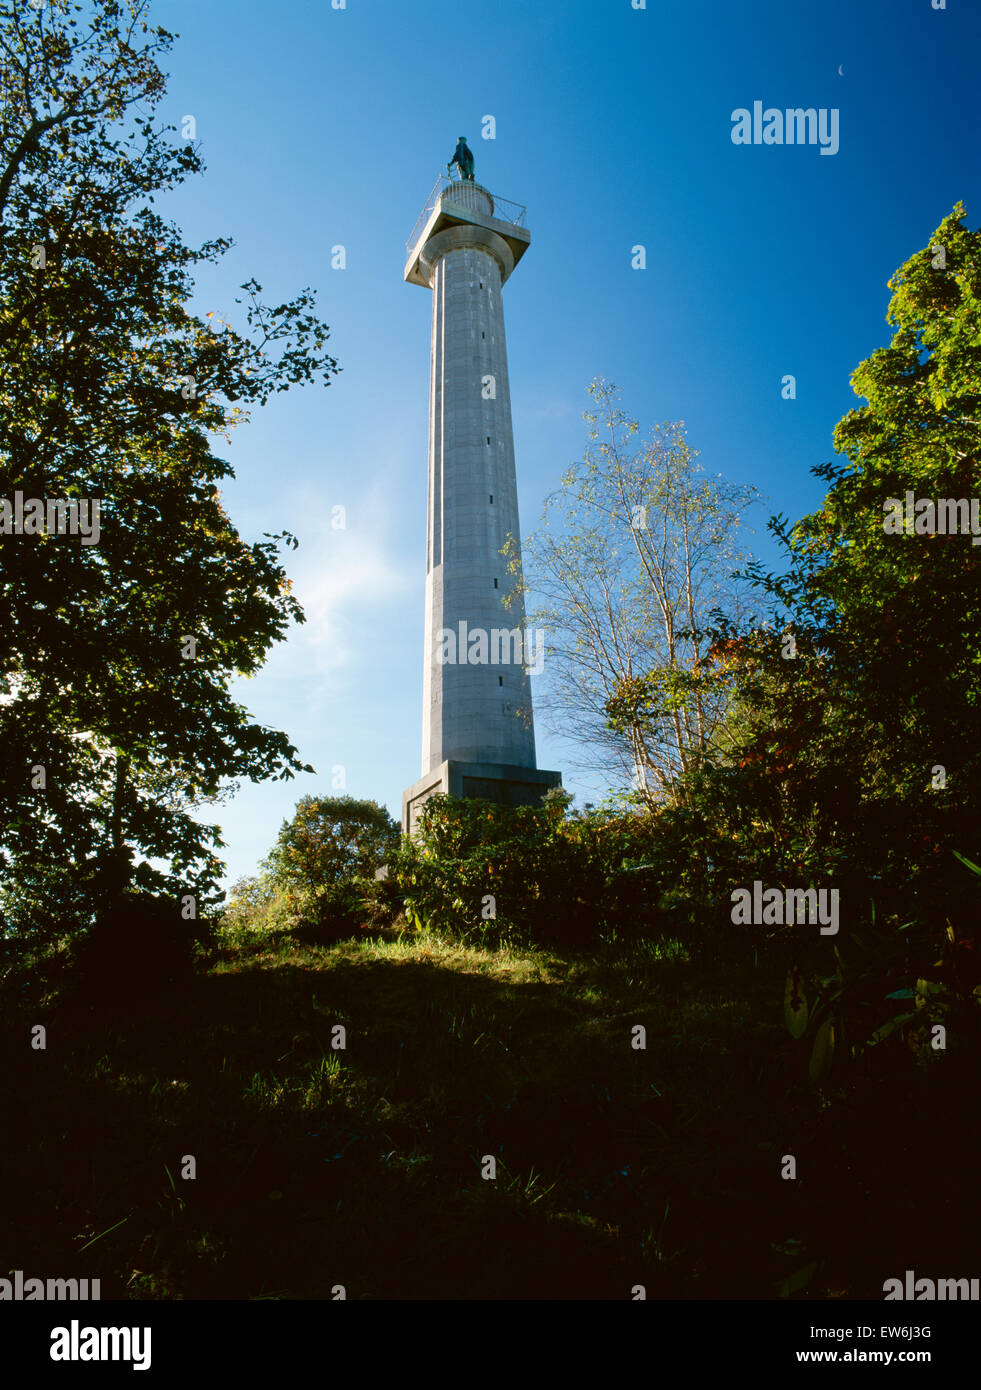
<point x="504" y="210"/>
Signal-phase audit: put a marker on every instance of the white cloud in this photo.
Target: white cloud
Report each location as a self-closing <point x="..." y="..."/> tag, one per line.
<point x="341" y="578"/>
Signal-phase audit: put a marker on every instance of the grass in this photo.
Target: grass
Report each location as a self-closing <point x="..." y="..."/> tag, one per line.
<point x="363" y="1166"/>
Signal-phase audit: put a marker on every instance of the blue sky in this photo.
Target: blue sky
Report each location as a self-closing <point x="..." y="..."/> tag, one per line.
<point x="323" y="126"/>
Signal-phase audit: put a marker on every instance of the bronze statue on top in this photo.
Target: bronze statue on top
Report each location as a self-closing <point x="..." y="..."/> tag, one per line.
<point x="463" y="159"/>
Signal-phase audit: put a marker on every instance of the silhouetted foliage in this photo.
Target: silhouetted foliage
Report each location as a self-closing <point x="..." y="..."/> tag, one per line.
<point x="116" y="721"/>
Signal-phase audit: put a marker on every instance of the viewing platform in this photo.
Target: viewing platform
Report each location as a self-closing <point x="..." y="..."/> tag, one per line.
<point x="457" y="202"/>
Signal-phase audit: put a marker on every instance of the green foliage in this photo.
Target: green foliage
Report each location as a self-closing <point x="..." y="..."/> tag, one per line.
<point x="855" y="753"/>
<point x="254" y="906"/>
<point x="853" y="760"/>
<point x="861" y="755"/>
<point x="876" y="999"/>
<point x="477" y="870"/>
<point x="324" y="860"/>
<point x="111" y="389"/>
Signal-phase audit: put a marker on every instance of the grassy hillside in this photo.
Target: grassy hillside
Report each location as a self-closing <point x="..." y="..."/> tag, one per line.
<point x="362" y="1166"/>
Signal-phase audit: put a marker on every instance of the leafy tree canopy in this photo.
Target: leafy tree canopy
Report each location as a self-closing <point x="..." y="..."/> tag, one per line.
<point x="117" y="656"/>
<point x="330" y="841"/>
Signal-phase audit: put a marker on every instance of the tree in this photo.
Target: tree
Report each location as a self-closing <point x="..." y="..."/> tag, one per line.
<point x="118" y="655"/>
<point x="331" y="843"/>
<point x="637" y="548"/>
<point x="871" y="734"/>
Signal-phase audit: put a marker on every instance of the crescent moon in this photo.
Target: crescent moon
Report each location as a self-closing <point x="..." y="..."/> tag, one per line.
<point x="841" y="70"/>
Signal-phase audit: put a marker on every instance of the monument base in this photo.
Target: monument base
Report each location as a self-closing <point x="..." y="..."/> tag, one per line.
<point x="502" y="783"/>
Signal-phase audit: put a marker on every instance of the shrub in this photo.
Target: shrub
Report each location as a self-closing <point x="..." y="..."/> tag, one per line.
<point x="323" y="863"/>
<point x="254" y="906"/>
<point x="543" y="873"/>
<point x="888" y="994"/>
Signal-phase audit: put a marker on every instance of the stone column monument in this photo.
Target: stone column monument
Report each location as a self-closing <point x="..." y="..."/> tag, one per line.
<point x="478" y="736"/>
